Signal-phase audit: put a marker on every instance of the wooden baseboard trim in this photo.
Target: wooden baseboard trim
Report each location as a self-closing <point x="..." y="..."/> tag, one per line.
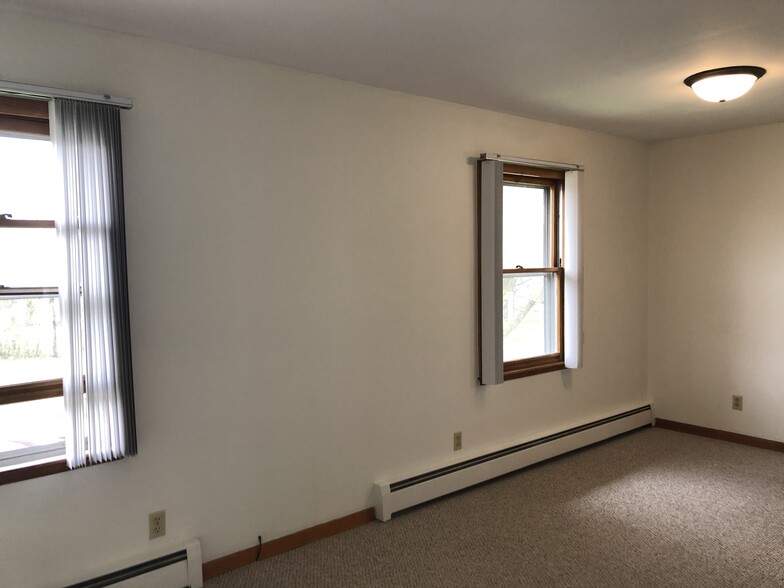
<point x="224" y="564"/>
<point x="722" y="435"/>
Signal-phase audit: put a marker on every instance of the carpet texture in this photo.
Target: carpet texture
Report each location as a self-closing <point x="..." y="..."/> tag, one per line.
<point x="651" y="508"/>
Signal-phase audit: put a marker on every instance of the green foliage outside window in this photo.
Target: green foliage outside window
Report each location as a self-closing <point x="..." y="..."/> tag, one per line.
<point x="29" y="328"/>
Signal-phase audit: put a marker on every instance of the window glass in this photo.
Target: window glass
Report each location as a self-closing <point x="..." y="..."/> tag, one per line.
<point x="30" y="257"/>
<point x="525" y="227"/>
<point x="529" y="329"/>
<point x="30" y="260"/>
<point x="28" y="340"/>
<point x="28" y="425"/>
<point x="26" y="181"/>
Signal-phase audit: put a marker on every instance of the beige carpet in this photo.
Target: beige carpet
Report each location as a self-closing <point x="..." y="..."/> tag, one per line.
<point x="651" y="508"/>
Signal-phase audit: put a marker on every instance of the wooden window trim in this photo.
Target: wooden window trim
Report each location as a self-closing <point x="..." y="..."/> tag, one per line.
<point x="7" y="222"/>
<point x="31" y="391"/>
<point x="512" y="371"/>
<point x="24" y="116"/>
<point x="513" y="169"/>
<point x="34" y="470"/>
<point x="553" y="179"/>
<point x="56" y="465"/>
<point x="533" y="270"/>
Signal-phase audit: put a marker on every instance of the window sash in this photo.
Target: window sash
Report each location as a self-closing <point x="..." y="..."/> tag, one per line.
<point x="7" y="222"/>
<point x="27" y="391"/>
<point x="554" y="195"/>
<point x="28" y="292"/>
<point x="547" y="362"/>
<point x="552" y="181"/>
<point x="36" y="389"/>
<point x="22" y="116"/>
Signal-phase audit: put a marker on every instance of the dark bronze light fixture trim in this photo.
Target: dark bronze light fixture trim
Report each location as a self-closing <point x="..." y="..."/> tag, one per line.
<point x="724" y="83"/>
<point x="757" y="72"/>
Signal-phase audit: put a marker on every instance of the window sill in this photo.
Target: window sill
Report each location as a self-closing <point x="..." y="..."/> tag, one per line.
<point x="515" y="372"/>
<point x="28" y="391"/>
<point x="44" y="467"/>
<point x="33" y="470"/>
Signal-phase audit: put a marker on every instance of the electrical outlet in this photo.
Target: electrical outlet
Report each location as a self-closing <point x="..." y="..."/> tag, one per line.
<point x="457" y="440"/>
<point x="157" y="524"/>
<point x="737" y="402"/>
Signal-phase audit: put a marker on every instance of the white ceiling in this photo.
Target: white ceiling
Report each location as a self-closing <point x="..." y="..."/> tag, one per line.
<point x="615" y="66"/>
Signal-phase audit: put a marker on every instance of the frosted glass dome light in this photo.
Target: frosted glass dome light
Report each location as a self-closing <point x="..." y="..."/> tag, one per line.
<point x="724" y="83"/>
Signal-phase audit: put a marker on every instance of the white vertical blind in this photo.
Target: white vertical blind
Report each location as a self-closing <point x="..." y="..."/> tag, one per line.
<point x="573" y="271"/>
<point x="491" y="274"/>
<point x="98" y="383"/>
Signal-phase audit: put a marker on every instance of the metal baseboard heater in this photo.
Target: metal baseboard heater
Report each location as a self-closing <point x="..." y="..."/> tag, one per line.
<point x="175" y="567"/>
<point x="392" y="497"/>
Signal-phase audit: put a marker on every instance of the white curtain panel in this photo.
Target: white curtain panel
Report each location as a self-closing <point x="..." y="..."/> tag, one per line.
<point x="491" y="360"/>
<point x="573" y="271"/>
<point x="98" y="382"/>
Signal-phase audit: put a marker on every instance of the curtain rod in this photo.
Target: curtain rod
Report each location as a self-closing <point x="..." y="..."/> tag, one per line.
<point x="49" y="93"/>
<point x="531" y="162"/>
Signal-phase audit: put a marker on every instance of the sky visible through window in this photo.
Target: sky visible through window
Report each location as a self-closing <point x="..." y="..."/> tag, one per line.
<point x="524" y="224"/>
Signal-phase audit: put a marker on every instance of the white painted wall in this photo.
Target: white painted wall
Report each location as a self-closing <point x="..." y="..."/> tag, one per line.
<point x="716" y="289"/>
<point x="303" y="297"/>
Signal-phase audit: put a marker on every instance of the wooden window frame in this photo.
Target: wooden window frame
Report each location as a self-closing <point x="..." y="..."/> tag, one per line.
<point x="514" y="174"/>
<point x="24" y="116"/>
<point x="21" y="117"/>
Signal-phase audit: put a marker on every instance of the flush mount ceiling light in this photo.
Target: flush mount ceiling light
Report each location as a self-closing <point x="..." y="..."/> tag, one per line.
<point x="724" y="83"/>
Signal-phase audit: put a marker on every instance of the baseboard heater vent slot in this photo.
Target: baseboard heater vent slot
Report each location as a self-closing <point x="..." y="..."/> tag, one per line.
<point x="174" y="568"/>
<point x="391" y="497"/>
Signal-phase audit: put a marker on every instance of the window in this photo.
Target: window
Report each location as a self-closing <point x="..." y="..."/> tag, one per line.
<point x="532" y="274"/>
<point x="32" y="424"/>
<point x="530" y="268"/>
<point x="66" y="384"/>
